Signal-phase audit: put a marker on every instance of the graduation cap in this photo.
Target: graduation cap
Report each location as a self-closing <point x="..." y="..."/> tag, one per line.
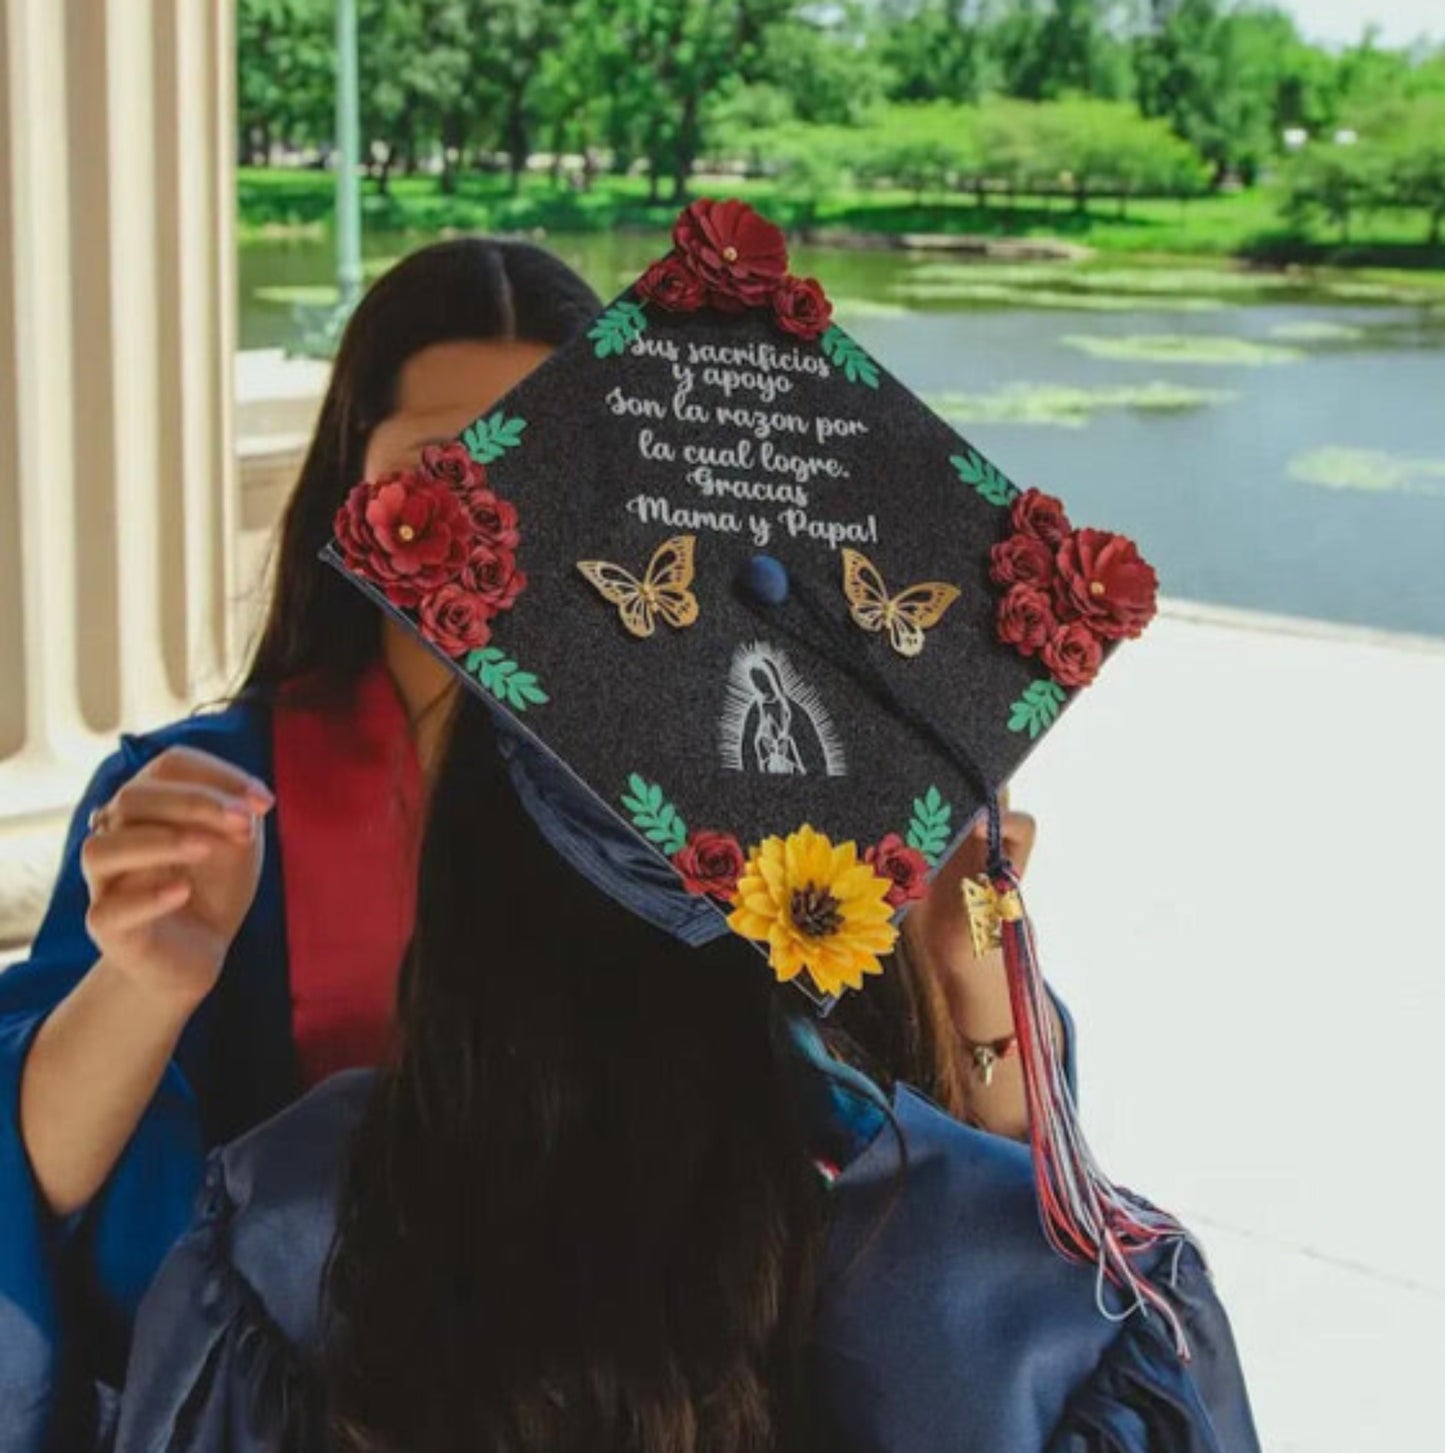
<point x="777" y="617"/>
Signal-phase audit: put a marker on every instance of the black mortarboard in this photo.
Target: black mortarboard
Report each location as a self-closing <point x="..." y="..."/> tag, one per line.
<point x="765" y="604"/>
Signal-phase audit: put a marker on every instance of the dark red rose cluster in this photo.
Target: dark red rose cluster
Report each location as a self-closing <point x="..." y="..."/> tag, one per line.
<point x="1068" y="591"/>
<point x="711" y="864"/>
<point x="726" y="256"/>
<point x="905" y="867"/>
<point x="436" y="540"/>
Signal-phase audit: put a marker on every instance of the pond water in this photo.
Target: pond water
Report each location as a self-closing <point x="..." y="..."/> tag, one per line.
<point x="1273" y="444"/>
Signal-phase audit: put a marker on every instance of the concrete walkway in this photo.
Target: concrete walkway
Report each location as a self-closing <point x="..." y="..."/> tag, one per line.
<point x="1238" y="889"/>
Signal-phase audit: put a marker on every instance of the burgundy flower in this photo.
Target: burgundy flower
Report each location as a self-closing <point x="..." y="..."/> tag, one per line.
<point x="453" y="464"/>
<point x="1073" y="654"/>
<point x="1042" y="516"/>
<point x="407" y="532"/>
<point x="739" y="255"/>
<point x="906" y="868"/>
<point x="1026" y="619"/>
<point x="672" y="284"/>
<point x="491" y="575"/>
<point x="801" y="307"/>
<point x="1105" y="582"/>
<point x="710" y="864"/>
<point x="455" y="619"/>
<point x="493" y="518"/>
<point x="1022" y="560"/>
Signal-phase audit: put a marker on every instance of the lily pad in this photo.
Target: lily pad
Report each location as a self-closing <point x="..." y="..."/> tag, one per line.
<point x="1317" y="330"/>
<point x="1376" y="471"/>
<point x="1069" y="407"/>
<point x="1021" y="295"/>
<point x="1217" y="350"/>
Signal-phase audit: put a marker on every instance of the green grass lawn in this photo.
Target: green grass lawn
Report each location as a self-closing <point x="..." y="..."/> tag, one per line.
<point x="1244" y="224"/>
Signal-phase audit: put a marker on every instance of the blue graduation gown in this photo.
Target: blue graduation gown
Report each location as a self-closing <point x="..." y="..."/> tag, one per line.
<point x="69" y="1290"/>
<point x="956" y="1331"/>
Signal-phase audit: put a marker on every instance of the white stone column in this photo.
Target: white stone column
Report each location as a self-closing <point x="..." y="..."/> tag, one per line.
<point x="117" y="480"/>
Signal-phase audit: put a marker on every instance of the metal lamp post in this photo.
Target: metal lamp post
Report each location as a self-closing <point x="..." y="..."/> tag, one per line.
<point x="348" y="147"/>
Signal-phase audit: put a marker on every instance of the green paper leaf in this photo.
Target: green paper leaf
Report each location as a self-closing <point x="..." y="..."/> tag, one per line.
<point x="844" y="353"/>
<point x="974" y="470"/>
<point x="505" y="679"/>
<point x="929" y="830"/>
<point x="1037" y="709"/>
<point x="653" y="815"/>
<point x="616" y="328"/>
<point x="488" y="439"/>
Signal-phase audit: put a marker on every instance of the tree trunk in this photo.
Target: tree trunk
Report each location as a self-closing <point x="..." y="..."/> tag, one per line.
<point x="689" y="138"/>
<point x="518" y="144"/>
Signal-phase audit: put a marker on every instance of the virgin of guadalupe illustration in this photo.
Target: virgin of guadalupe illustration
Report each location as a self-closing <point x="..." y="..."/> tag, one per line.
<point x="773" y="721"/>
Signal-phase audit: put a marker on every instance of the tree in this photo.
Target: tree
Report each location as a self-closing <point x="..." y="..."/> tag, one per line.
<point x="931" y="50"/>
<point x="1412" y="161"/>
<point x="285" y="75"/>
<point x="821" y="68"/>
<point x="1332" y="181"/>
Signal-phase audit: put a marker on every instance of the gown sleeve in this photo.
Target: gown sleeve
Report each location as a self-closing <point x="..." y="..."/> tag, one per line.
<point x="212" y="1370"/>
<point x="227" y="1339"/>
<point x="160" y="1169"/>
<point x="948" y="1325"/>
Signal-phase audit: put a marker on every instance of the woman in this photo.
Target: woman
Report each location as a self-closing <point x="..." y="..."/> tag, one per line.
<point x="613" y="1196"/>
<point x="235" y="891"/>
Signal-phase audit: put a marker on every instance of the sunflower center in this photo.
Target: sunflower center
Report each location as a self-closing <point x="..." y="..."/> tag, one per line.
<point x="730" y="254"/>
<point x="816" y="913"/>
<point x="1096" y="587"/>
<point x="406" y="534"/>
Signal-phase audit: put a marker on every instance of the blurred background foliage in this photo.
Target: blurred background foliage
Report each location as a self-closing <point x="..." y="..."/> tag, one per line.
<point x="1218" y="124"/>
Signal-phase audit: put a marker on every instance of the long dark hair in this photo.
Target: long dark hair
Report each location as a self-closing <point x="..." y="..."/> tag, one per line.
<point x="319" y="629"/>
<point x="580" y="1213"/>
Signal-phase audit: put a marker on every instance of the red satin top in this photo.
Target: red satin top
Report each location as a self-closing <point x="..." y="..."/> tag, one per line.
<point x="348" y="799"/>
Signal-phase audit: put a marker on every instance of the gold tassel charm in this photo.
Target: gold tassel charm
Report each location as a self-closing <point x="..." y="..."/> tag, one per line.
<point x="988" y="911"/>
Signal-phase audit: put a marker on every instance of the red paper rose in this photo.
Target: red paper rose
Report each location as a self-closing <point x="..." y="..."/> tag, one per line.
<point x="406" y="532"/>
<point x="1105" y="582"/>
<point x="1026" y="619"/>
<point x="905" y="867"/>
<point x="453" y="464"/>
<point x="710" y="864"/>
<point x="492" y="576"/>
<point x="1073" y="654"/>
<point x="801" y="307"/>
<point x="672" y="284"/>
<point x="1021" y="560"/>
<point x="455" y="619"/>
<point x="738" y="254"/>
<point x="493" y="518"/>
<point x="1042" y="516"/>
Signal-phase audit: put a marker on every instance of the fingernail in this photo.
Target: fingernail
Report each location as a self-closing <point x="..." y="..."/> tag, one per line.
<point x="261" y="795"/>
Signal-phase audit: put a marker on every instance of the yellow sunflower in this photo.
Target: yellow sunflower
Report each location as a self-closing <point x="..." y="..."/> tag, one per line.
<point x="817" y="907"/>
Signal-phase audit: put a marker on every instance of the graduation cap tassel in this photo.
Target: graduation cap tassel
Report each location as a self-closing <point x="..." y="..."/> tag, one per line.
<point x="1086" y="1217"/>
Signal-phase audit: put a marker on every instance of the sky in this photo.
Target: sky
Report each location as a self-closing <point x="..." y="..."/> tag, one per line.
<point x="1340" y="21"/>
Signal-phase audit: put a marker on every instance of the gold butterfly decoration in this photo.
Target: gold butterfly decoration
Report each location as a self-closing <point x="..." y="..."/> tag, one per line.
<point x="663" y="590"/>
<point x="988" y="911"/>
<point x="905" y="616"/>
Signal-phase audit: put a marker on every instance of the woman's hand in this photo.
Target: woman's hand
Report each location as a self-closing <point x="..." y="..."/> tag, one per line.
<point x="941" y="920"/>
<point x="172" y="865"/>
<point x="975" y="986"/>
